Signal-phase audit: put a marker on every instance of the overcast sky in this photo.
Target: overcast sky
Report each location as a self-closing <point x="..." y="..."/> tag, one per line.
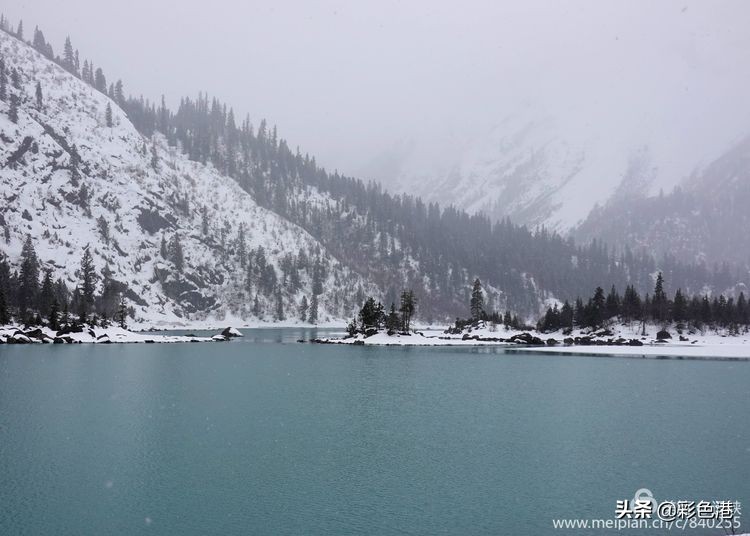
<point x="346" y="79"/>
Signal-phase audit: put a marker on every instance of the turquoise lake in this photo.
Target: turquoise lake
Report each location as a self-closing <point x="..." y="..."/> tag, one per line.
<point x="267" y="436"/>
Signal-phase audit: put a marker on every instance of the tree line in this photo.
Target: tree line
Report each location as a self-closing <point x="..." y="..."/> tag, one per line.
<point x="373" y="316"/>
<point x="34" y="299"/>
<point x="698" y="311"/>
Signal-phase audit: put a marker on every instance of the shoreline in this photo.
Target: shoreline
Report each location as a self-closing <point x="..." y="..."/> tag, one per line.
<point x="97" y="335"/>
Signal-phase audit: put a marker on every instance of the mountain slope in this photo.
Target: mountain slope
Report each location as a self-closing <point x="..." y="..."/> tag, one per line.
<point x="553" y="169"/>
<point x="705" y="219"/>
<point x="64" y="171"/>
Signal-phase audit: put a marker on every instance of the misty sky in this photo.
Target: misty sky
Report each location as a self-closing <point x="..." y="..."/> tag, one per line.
<point x="345" y="80"/>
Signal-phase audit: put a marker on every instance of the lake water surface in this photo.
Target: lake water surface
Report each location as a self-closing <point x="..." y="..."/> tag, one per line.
<point x="266" y="436"/>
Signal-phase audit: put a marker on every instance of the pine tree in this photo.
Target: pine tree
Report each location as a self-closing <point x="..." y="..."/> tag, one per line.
<point x="122" y="313"/>
<point x="53" y="317"/>
<point x="303" y="309"/>
<point x="566" y="316"/>
<point x="612" y="305"/>
<point x="39" y="100"/>
<point x="279" y="305"/>
<point x="477" y="301"/>
<point x="392" y="321"/>
<point x="154" y="156"/>
<point x="256" y="307"/>
<point x="507" y="319"/>
<point x="241" y="247"/>
<point x="19" y="30"/>
<point x="312" y="317"/>
<point x="119" y="95"/>
<point x="743" y="314"/>
<point x="204" y="220"/>
<point x="47" y="294"/>
<point x="100" y="81"/>
<point x="87" y="286"/>
<point x="3" y="81"/>
<point x="68" y="56"/>
<point x="408" y="305"/>
<point x="659" y="302"/>
<point x="28" y="285"/>
<point x="108" y="115"/>
<point x="679" y="307"/>
<point x="176" y="254"/>
<point x="13" y="111"/>
<point x="4" y="313"/>
<point x="163" y="249"/>
<point x="65" y="318"/>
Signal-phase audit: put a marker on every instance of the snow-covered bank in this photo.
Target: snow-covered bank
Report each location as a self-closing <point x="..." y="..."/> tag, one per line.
<point x="112" y="334"/>
<point x="622" y="340"/>
<point x="420" y="338"/>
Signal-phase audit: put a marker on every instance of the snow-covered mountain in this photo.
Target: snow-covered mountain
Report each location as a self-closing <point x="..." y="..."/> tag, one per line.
<point x="705" y="219"/>
<point x="553" y="169"/>
<point x="70" y="181"/>
<point x="193" y="216"/>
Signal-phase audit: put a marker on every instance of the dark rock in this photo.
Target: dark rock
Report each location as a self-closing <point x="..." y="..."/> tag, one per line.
<point x="151" y="221"/>
<point x="370" y="332"/>
<point x="36" y="334"/>
<point x="635" y="342"/>
<point x="663" y="334"/>
<point x="568" y="341"/>
<point x="69" y="329"/>
<point x="683" y="339"/>
<point x="359" y="343"/>
<point x="230" y="333"/>
<point x="552" y="342"/>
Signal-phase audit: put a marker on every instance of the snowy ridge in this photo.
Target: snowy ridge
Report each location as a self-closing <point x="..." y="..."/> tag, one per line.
<point x="552" y="170"/>
<point x="64" y="171"/>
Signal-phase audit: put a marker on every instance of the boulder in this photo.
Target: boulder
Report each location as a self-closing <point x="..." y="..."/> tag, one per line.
<point x="552" y="342"/>
<point x="217" y="338"/>
<point x="635" y="342"/>
<point x="18" y="338"/>
<point x="231" y="333"/>
<point x="663" y="335"/>
<point x="69" y="329"/>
